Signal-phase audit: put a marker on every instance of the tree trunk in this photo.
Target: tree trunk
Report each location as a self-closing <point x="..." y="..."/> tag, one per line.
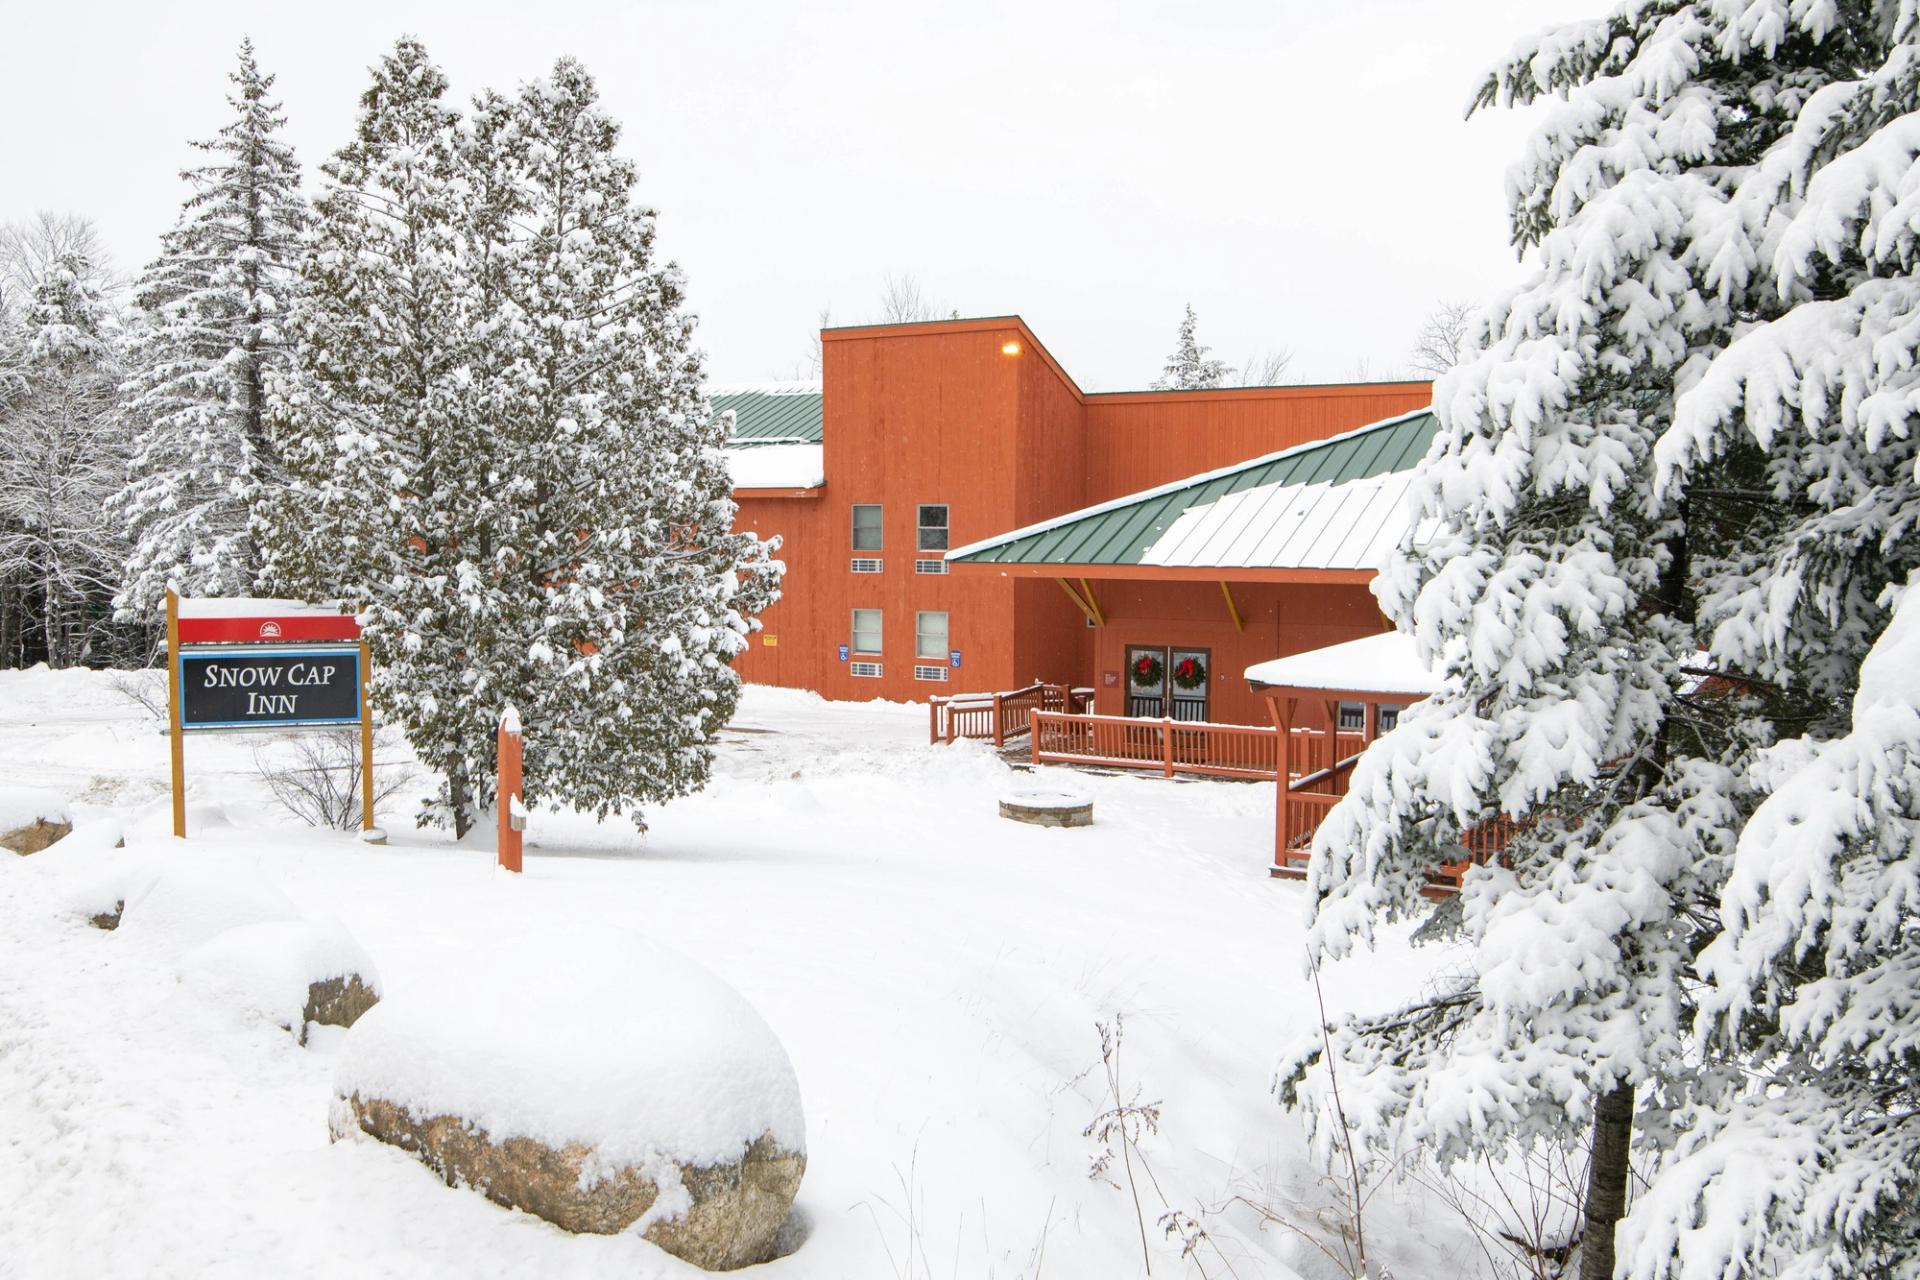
<point x="1607" y="1182"/>
<point x="458" y="797"/>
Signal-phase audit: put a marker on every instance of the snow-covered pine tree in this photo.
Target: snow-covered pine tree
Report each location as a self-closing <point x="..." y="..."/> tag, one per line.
<point x="1802" y="1163"/>
<point x="374" y="417"/>
<point x="541" y="516"/>
<point x="616" y="590"/>
<point x="1188" y="368"/>
<point x="207" y="340"/>
<point x="1558" y="595"/>
<point x="62" y="456"/>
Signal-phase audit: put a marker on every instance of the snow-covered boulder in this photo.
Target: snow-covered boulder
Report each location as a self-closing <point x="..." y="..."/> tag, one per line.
<point x="603" y="1084"/>
<point x="180" y="898"/>
<point x="290" y="972"/>
<point x="32" y="820"/>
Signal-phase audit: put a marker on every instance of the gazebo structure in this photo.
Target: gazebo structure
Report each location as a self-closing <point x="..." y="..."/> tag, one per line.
<point x="1329" y="705"/>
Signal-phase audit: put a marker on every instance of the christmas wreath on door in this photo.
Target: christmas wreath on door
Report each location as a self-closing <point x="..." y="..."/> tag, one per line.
<point x="1147" y="672"/>
<point x="1190" y="673"/>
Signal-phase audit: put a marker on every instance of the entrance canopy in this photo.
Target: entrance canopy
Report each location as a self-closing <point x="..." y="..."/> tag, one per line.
<point x="1382" y="664"/>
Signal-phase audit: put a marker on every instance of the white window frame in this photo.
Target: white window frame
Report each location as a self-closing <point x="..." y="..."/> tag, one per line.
<point x="879" y="631"/>
<point x="920" y="634"/>
<point x="879" y="528"/>
<point x="922" y="528"/>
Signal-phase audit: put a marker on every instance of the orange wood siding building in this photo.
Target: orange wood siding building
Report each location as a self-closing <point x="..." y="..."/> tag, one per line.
<point x="977" y="417"/>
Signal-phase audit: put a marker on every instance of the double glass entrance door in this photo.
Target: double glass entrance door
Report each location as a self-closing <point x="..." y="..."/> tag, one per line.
<point x="1154" y="687"/>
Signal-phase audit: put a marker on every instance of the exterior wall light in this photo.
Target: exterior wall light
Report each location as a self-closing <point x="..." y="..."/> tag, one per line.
<point x="1010" y="349"/>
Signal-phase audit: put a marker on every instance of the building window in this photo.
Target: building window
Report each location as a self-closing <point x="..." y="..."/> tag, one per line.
<point x="933" y="528"/>
<point x="866" y="631"/>
<point x="1353" y="717"/>
<point x="1389" y="717"/>
<point x="930" y="635"/>
<point x="866" y="527"/>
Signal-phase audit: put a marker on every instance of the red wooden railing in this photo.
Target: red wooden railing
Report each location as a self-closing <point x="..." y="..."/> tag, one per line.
<point x="1170" y="746"/>
<point x="1310" y="797"/>
<point x="996" y="717"/>
<point x="1309" y="751"/>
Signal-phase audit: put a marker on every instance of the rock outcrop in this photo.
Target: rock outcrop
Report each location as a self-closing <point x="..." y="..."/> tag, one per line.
<point x="729" y="1216"/>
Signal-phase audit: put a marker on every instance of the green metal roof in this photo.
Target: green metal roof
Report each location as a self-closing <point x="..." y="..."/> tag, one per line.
<point x="1125" y="530"/>
<point x="781" y="415"/>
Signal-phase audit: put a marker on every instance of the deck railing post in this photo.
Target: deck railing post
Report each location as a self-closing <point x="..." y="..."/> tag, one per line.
<point x="1166" y="739"/>
<point x="999" y="738"/>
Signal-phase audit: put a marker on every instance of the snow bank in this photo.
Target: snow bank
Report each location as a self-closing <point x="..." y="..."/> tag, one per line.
<point x="268" y="968"/>
<point x="609" y="1040"/>
<point x="23" y="806"/>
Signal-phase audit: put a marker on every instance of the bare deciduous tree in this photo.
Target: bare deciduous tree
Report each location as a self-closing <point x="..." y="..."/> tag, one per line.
<point x="1269" y="369"/>
<point x="903" y="301"/>
<point x="1446" y="337"/>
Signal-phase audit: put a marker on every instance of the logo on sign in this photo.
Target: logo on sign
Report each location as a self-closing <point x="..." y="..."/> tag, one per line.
<point x="953" y="656"/>
<point x="269" y="630"/>
<point x="843" y="653"/>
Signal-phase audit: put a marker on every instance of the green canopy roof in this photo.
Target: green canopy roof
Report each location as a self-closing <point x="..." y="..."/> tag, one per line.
<point x="1306" y="506"/>
<point x="772" y="415"/>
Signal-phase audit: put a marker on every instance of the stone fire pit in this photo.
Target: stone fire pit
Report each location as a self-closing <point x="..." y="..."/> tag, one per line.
<point x="1048" y="807"/>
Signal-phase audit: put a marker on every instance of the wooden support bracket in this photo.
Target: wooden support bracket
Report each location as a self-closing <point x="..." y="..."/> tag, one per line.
<point x="1074" y="596"/>
<point x="1093" y="603"/>
<point x="1233" y="609"/>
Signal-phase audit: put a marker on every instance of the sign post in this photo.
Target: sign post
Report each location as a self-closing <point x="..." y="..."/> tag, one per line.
<point x="507" y="793"/>
<point x="176" y="749"/>
<point x="366" y="743"/>
<point x="264" y="664"/>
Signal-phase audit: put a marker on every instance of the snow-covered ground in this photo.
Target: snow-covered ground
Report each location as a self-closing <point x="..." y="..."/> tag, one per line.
<point x="934" y="971"/>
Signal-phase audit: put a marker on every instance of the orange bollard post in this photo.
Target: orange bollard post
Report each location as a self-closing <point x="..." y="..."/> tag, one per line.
<point x="507" y="794"/>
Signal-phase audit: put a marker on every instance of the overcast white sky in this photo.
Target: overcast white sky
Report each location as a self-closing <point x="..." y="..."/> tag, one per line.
<point x="1299" y="171"/>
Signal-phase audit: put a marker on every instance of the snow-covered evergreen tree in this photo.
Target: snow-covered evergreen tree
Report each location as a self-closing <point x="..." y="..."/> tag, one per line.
<point x="62" y="456"/>
<point x="500" y="454"/>
<point x="372" y="419"/>
<point x="1188" y="368"/>
<point x="619" y="591"/>
<point x="207" y="340"/>
<point x="1803" y="1163"/>
<point x="1559" y="595"/>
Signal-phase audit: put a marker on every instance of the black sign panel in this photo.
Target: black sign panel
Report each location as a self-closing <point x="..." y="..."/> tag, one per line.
<point x="257" y="686"/>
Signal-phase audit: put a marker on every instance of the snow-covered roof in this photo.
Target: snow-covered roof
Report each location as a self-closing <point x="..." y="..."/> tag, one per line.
<point x="1336" y="503"/>
<point x="778" y="466"/>
<point x="1386" y="663"/>
<point x="772" y="412"/>
<point x="1352" y="525"/>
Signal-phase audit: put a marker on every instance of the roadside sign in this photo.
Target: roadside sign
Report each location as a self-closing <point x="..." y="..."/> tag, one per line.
<point x="264" y="664"/>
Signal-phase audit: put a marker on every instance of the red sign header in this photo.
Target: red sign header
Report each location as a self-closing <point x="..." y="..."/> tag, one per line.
<point x="265" y="630"/>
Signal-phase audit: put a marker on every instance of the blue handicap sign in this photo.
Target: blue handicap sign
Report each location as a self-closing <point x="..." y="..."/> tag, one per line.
<point x="953" y="656"/>
<point x="843" y="653"/>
